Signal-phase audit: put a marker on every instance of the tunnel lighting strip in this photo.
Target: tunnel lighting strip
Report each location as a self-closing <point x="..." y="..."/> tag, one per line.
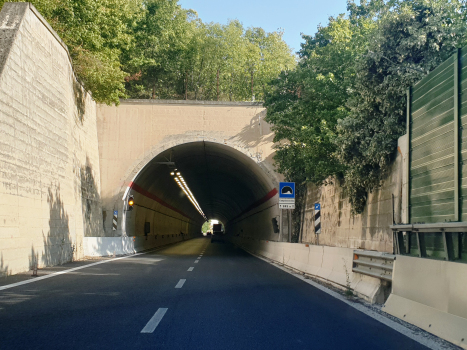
<point x="182" y="184"/>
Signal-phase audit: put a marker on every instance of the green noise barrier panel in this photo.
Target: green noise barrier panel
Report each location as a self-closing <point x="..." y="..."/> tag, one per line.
<point x="436" y="118"/>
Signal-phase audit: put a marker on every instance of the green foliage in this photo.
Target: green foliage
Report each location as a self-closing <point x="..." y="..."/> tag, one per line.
<point x="96" y="33"/>
<point x="409" y="41"/>
<point x="156" y="49"/>
<point x="186" y="58"/>
<point x="340" y="112"/>
<point x="305" y="104"/>
<point x="206" y="227"/>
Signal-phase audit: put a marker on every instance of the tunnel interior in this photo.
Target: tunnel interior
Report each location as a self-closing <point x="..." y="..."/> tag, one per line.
<point x="228" y="185"/>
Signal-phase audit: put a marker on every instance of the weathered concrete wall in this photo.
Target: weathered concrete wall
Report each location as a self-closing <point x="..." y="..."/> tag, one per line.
<point x="369" y="230"/>
<point x="49" y="161"/>
<point x="133" y="133"/>
<point x="431" y="295"/>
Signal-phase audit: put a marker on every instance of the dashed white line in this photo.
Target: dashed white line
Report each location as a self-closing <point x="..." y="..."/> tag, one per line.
<point x="196" y="261"/>
<point x="154" y="321"/>
<point x="180" y="283"/>
<point x="190" y="268"/>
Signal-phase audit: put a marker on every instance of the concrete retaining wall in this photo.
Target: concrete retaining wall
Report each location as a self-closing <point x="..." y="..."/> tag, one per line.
<point x="369" y="230"/>
<point x="49" y="161"/>
<point x="331" y="264"/>
<point x="432" y="295"/>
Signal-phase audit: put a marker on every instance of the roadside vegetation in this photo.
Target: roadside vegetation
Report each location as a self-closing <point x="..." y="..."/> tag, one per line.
<point x="338" y="115"/>
<point x="156" y="49"/>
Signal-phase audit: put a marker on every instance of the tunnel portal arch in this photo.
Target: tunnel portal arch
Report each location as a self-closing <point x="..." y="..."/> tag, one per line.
<point x="235" y="183"/>
<point x="227" y="183"/>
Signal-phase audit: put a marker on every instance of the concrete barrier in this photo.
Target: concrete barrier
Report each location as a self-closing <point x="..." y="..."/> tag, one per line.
<point x="432" y="295"/>
<point x="109" y="246"/>
<point x="331" y="264"/>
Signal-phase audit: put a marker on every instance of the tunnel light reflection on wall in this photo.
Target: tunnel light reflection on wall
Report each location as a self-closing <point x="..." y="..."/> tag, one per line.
<point x="182" y="184"/>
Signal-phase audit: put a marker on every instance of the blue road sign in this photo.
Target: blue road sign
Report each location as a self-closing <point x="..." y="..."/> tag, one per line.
<point x="317" y="206"/>
<point x="115" y="212"/>
<point x="287" y="190"/>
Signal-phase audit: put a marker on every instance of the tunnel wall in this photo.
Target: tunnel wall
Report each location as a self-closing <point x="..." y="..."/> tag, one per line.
<point x="49" y="163"/>
<point x="165" y="223"/>
<point x="257" y="222"/>
<point x="112" y="246"/>
<point x="369" y="230"/>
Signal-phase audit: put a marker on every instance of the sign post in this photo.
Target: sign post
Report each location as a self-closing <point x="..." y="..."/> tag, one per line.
<point x="317" y="219"/>
<point x="287" y="201"/>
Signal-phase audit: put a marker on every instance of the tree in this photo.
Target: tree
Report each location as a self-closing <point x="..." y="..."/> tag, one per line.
<point x="162" y="35"/>
<point x="409" y="41"/>
<point x="96" y="33"/>
<point x="305" y="105"/>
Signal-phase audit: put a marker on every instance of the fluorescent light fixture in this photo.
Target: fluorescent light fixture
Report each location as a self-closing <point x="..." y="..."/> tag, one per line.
<point x="182" y="184"/>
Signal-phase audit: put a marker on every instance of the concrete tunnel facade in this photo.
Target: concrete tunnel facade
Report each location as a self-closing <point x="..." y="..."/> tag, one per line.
<point x="223" y="150"/>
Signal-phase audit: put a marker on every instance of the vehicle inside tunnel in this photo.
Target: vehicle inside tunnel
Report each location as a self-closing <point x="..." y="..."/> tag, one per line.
<point x="183" y="187"/>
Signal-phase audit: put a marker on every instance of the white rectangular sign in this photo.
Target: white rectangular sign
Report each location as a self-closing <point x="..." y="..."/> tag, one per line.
<point x="286" y="200"/>
<point x="286" y="206"/>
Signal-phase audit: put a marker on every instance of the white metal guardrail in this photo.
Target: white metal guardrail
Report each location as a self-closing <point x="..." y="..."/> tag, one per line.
<point x="374" y="264"/>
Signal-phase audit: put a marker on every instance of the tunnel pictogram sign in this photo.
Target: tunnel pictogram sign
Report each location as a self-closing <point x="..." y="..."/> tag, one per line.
<point x="287" y="195"/>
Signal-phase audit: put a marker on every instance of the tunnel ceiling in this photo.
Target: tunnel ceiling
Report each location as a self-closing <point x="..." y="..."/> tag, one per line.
<point x="224" y="181"/>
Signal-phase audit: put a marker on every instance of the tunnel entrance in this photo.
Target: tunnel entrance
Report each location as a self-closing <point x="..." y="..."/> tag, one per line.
<point x="225" y="184"/>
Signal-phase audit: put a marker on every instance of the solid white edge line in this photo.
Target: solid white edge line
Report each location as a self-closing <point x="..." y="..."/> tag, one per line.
<point x="154" y="321"/>
<point x="65" y="271"/>
<point x="360" y="307"/>
<point x="180" y="283"/>
<point x="190" y="268"/>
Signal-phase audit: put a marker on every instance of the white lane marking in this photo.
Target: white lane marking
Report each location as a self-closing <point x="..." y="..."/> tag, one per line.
<point x="154" y="321"/>
<point x="196" y="261"/>
<point x="65" y="271"/>
<point x="180" y="283"/>
<point x="199" y="257"/>
<point x="190" y="268"/>
<point x="424" y="340"/>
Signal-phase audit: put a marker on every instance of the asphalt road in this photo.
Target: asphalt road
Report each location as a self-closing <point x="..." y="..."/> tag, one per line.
<point x="230" y="300"/>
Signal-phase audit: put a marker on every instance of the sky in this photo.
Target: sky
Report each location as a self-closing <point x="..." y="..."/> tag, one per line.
<point x="292" y="16"/>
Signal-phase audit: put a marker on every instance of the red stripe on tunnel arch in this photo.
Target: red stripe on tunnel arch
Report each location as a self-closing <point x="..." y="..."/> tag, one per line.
<point x="148" y="194"/>
<point x="256" y="204"/>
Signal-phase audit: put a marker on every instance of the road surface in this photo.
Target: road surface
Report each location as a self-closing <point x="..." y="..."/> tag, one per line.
<point x="192" y="295"/>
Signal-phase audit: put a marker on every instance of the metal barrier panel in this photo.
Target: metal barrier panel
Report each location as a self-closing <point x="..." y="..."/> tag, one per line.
<point x="463" y="132"/>
<point x="374" y="264"/>
<point x="432" y="134"/>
